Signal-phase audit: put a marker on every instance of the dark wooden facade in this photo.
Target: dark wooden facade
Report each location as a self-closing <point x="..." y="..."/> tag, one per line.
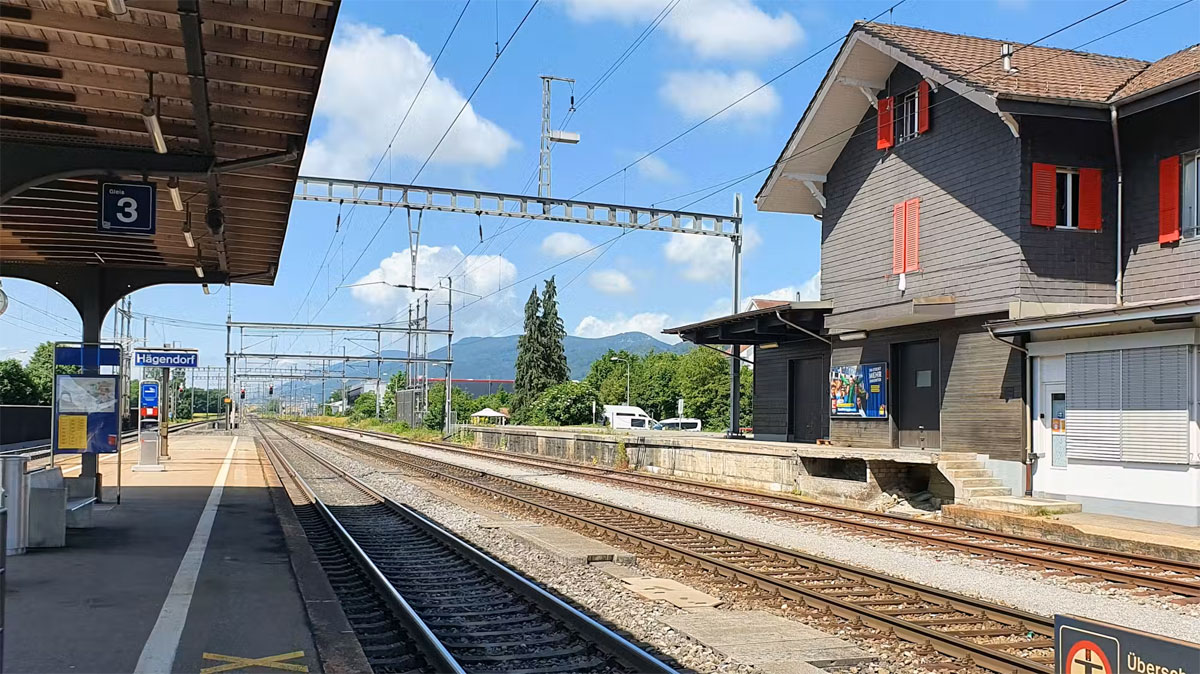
<point x="775" y="400"/>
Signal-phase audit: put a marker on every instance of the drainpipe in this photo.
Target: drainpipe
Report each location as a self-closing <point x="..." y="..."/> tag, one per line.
<point x="1120" y="194"/>
<point x="1028" y="400"/>
<point x="806" y="331"/>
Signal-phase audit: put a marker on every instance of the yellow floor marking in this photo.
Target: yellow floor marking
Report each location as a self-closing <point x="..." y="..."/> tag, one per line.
<point x="272" y="661"/>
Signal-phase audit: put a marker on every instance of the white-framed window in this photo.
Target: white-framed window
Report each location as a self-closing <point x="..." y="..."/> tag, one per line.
<point x="1189" y="195"/>
<point x="907" y="110"/>
<point x="1067" y="196"/>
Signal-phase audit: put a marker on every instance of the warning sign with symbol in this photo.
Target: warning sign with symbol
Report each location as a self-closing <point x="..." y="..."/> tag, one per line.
<point x="1083" y="646"/>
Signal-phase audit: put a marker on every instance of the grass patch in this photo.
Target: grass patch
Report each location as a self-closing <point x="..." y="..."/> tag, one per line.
<point x="394" y="427"/>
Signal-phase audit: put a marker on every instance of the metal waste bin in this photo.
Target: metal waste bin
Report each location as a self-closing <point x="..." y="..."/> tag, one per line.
<point x="16" y="502"/>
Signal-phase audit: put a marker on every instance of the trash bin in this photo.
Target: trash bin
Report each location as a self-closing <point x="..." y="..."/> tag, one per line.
<point x="16" y="502"/>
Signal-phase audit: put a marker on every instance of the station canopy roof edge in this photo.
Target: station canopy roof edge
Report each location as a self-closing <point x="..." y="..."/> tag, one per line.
<point x="230" y="83"/>
<point x="758" y="326"/>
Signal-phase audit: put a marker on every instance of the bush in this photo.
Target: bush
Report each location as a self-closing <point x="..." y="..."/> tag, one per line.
<point x="565" y="404"/>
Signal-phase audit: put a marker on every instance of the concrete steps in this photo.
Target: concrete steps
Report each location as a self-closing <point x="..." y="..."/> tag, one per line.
<point x="971" y="478"/>
<point x="975" y="486"/>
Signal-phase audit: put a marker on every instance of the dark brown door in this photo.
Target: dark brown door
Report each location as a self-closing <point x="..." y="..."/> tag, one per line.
<point x="916" y="395"/>
<point x="809" y="399"/>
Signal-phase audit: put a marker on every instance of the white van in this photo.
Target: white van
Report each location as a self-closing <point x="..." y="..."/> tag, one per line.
<point x="627" y="416"/>
<point x="679" y="425"/>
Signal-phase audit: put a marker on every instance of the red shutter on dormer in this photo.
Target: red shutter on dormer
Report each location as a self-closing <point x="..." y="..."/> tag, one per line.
<point x="912" y="222"/>
<point x="1168" y="200"/>
<point x="898" y="238"/>
<point x="1089" y="198"/>
<point x="922" y="107"/>
<point x="884" y="133"/>
<point x="1045" y="201"/>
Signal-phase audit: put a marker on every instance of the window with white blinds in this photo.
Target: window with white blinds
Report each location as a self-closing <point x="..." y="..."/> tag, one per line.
<point x="1129" y="405"/>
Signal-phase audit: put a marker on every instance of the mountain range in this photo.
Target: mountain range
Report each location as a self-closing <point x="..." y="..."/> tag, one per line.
<point x="496" y="357"/>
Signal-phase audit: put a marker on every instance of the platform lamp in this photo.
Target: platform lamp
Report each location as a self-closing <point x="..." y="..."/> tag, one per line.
<point x="150" y="117"/>
<point x="626" y="361"/>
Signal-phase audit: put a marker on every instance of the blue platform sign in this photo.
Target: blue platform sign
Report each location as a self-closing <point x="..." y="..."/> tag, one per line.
<point x="128" y="207"/>
<point x="87" y="355"/>
<point x="149" y="394"/>
<point x="166" y="358"/>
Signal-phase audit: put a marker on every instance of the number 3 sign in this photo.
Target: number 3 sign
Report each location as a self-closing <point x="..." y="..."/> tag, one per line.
<point x="128" y="208"/>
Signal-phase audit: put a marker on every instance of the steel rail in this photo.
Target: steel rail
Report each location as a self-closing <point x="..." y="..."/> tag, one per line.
<point x="439" y="658"/>
<point x="42" y="451"/>
<point x="936" y="534"/>
<point x="584" y="625"/>
<point x="946" y="643"/>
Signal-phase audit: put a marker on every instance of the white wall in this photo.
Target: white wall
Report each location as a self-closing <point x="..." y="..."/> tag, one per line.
<point x="1165" y="492"/>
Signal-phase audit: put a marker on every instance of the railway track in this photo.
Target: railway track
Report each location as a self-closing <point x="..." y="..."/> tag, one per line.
<point x="37" y="452"/>
<point x="972" y="631"/>
<point x="463" y="611"/>
<point x="1149" y="575"/>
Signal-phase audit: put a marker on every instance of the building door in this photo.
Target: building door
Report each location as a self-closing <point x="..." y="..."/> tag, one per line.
<point x="808" y="398"/>
<point x="916" y="397"/>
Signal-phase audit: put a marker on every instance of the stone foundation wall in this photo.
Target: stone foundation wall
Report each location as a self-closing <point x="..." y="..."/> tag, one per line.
<point x="766" y="469"/>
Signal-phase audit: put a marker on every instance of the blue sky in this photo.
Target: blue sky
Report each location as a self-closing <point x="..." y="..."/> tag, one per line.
<point x="704" y="54"/>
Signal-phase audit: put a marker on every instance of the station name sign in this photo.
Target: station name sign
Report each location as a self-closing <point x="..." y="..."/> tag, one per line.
<point x="166" y="358"/>
<point x="1093" y="647"/>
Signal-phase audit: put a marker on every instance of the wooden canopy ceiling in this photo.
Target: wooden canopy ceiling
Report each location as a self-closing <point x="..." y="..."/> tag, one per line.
<point x="235" y="83"/>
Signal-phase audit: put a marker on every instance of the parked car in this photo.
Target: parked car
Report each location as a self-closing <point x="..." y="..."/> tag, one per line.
<point x="627" y="416"/>
<point x="679" y="425"/>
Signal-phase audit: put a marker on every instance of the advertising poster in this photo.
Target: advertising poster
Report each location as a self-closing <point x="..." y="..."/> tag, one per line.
<point x="858" y="391"/>
<point x="86" y="414"/>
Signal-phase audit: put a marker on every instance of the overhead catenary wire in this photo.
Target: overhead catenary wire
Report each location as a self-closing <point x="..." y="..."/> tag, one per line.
<point x="723" y="185"/>
<point x="346" y="273"/>
<point x="383" y="155"/>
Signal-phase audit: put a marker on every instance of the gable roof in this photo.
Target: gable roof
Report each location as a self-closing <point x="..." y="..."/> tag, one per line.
<point x="1041" y="72"/>
<point x="970" y="67"/>
<point x="1183" y="64"/>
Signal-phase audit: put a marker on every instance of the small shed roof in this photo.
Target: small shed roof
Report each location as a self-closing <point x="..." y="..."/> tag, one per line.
<point x="489" y="412"/>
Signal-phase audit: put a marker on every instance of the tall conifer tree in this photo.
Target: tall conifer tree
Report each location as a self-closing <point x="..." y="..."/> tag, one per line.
<point x="528" y="349"/>
<point x="555" y="366"/>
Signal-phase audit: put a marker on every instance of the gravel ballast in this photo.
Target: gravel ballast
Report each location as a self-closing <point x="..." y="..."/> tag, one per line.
<point x="602" y="595"/>
<point x="947" y="570"/>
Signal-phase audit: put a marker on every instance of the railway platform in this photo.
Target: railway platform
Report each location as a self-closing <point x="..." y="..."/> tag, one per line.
<point x="190" y="572"/>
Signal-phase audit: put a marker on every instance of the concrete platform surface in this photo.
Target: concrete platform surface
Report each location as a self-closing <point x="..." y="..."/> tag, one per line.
<point x="766" y="641"/>
<point x="189" y="573"/>
<point x="1107" y="532"/>
<point x="671" y="591"/>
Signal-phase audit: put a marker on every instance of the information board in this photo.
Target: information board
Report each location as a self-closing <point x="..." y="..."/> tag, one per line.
<point x="86" y="414"/>
<point x="128" y="208"/>
<point x="858" y="391"/>
<point x="149" y="397"/>
<point x="1093" y="647"/>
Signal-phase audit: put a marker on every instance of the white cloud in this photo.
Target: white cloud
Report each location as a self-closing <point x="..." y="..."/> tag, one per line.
<point x="565" y="244"/>
<point x="711" y="28"/>
<point x="696" y="94"/>
<point x="653" y="168"/>
<point x="648" y="322"/>
<point x="706" y="258"/>
<point x="481" y="275"/>
<point x="370" y="79"/>
<point x="610" y="281"/>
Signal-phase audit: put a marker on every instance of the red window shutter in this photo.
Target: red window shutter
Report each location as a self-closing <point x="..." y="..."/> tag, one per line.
<point x="922" y="107"/>
<point x="1045" y="200"/>
<point x="898" y="238"/>
<point x="885" y="130"/>
<point x="912" y="221"/>
<point x="1168" y="200"/>
<point x="1089" y="198"/>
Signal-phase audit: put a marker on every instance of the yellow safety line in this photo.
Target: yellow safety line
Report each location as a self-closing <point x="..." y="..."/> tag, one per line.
<point x="272" y="661"/>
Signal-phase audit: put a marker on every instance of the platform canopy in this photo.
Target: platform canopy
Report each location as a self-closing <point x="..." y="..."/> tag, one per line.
<point x="232" y="87"/>
<point x="779" y="322"/>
